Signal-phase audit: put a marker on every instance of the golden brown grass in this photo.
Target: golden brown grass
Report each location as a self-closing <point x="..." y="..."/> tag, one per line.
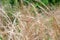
<point x="31" y="24"/>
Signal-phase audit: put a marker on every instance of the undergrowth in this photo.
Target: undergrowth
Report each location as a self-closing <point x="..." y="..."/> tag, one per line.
<point x="28" y="20"/>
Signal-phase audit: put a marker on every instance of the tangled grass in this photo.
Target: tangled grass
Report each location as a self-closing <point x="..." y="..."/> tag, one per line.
<point x="28" y="23"/>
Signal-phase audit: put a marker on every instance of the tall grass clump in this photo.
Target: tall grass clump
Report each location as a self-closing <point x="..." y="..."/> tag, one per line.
<point x="28" y="20"/>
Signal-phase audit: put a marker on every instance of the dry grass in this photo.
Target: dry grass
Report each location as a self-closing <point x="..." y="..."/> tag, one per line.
<point x="31" y="25"/>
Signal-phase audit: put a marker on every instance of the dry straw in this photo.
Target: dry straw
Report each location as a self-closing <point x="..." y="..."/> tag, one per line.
<point x="28" y="24"/>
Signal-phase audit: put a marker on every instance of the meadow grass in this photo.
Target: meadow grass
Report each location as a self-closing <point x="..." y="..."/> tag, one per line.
<point x="20" y="21"/>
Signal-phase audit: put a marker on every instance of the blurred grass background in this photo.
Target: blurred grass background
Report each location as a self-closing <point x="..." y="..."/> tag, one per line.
<point x="32" y="12"/>
<point x="13" y="5"/>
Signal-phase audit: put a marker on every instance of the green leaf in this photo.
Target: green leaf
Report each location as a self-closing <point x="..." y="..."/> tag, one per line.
<point x="0" y="38"/>
<point x="45" y="1"/>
